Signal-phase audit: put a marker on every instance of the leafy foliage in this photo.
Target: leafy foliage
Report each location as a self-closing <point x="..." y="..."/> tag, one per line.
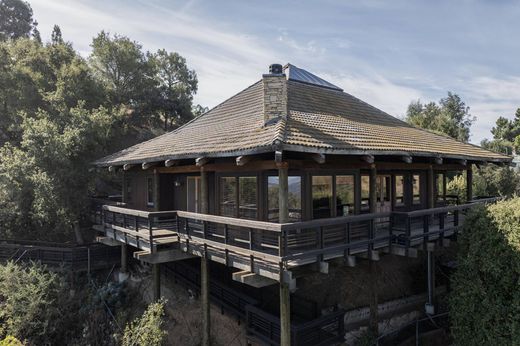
<point x="154" y="87"/>
<point x="506" y="135"/>
<point x="450" y="117"/>
<point x="147" y="329"/>
<point x="10" y="341"/>
<point x="61" y="112"/>
<point x="485" y="303"/>
<point x="16" y="19"/>
<point x="31" y="302"/>
<point x="487" y="181"/>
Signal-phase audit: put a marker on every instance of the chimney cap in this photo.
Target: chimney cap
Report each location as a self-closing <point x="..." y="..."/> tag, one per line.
<point x="275" y="69"/>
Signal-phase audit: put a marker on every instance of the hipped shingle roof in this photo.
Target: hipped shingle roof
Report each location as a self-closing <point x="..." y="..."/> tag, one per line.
<point x="319" y="119"/>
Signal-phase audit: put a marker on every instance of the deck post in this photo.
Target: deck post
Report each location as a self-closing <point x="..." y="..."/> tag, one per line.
<point x="431" y="187"/>
<point x="204" y="300"/>
<point x="373" y="188"/>
<point x="283" y="216"/>
<point x="469" y="183"/>
<point x="156" y="189"/>
<point x="124" y="196"/>
<point x="430" y="305"/>
<point x="204" y="265"/>
<point x="372" y="265"/>
<point x="156" y="277"/>
<point x="124" y="267"/>
<point x="283" y="192"/>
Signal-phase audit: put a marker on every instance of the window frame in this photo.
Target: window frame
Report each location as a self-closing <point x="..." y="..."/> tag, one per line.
<point x="150" y="202"/>
<point x="334" y="173"/>
<point x="236" y="176"/>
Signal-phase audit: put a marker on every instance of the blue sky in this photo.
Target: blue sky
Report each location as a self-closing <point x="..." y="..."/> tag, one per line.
<point x="387" y="53"/>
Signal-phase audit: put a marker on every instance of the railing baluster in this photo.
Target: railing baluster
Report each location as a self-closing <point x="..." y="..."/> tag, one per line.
<point x="426" y="229"/>
<point x="347" y="239"/>
<point x="225" y="234"/>
<point x="150" y="234"/>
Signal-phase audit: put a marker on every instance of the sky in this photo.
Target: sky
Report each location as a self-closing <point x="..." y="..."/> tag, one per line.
<point x="387" y="53"/>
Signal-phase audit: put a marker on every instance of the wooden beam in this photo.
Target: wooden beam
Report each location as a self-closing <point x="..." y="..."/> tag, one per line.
<point x="401" y="251"/>
<point x="147" y="165"/>
<point x="170" y="163"/>
<point x="108" y="241"/>
<point x="278" y="156"/>
<point x="127" y="167"/>
<point x="201" y="161"/>
<point x="253" y="279"/>
<point x="243" y="160"/>
<point x="319" y="158"/>
<point x="407" y="158"/>
<point x="162" y="256"/>
<point x="368" y="158"/>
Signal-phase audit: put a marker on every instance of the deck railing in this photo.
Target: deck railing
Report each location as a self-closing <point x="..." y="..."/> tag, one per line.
<point x="59" y="255"/>
<point x="139" y="227"/>
<point x="294" y="243"/>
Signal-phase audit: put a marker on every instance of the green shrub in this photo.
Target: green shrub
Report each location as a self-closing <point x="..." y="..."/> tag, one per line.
<point x="147" y="329"/>
<point x="31" y="301"/>
<point x="10" y="341"/>
<point x="485" y="301"/>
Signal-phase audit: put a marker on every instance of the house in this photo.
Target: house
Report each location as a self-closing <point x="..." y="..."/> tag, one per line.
<point x="290" y="174"/>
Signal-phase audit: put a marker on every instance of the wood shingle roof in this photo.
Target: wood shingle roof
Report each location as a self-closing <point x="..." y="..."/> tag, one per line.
<point x="319" y="119"/>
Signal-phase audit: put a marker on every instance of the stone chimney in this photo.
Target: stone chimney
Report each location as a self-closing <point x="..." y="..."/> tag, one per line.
<point x="275" y="95"/>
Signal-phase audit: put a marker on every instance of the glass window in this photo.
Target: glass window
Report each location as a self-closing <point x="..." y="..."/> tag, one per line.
<point x="228" y="195"/>
<point x="321" y="196"/>
<point x="150" y="192"/>
<point x="399" y="190"/>
<point x="247" y="197"/>
<point x="295" y="198"/>
<point x="345" y="195"/>
<point x="365" y="191"/>
<point x="416" y="188"/>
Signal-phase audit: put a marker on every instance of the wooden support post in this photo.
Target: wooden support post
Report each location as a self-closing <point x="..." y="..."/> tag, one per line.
<point x="124" y="196"/>
<point x="204" y="265"/>
<point x="431" y="188"/>
<point x="156" y="277"/>
<point x="373" y="320"/>
<point x="373" y="323"/>
<point x="283" y="193"/>
<point x="469" y="183"/>
<point x="285" y="314"/>
<point x="204" y="300"/>
<point x="156" y="190"/>
<point x="204" y="206"/>
<point x="373" y="188"/>
<point x="124" y="267"/>
<point x="283" y="212"/>
<point x="430" y="305"/>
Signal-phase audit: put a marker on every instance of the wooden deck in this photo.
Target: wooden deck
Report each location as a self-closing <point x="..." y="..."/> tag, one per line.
<point x="273" y="250"/>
